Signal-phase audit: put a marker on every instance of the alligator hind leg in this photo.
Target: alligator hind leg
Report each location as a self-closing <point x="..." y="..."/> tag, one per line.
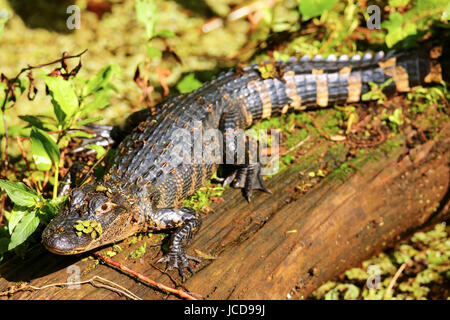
<point x="187" y="222"/>
<point x="241" y="153"/>
<point x="248" y="178"/>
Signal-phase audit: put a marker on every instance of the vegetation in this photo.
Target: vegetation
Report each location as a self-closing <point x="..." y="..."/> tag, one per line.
<point x="418" y="269"/>
<point x="142" y="51"/>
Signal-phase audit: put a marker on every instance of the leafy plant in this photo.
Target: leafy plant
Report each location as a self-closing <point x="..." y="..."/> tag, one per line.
<point x="376" y="92"/>
<point x="394" y="119"/>
<point x="28" y="211"/>
<point x="313" y="8"/>
<point x="147" y="14"/>
<point x="188" y="83"/>
<point x="73" y="99"/>
<point x="415" y="21"/>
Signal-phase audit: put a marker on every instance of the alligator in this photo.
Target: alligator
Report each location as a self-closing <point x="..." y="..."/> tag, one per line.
<point x="144" y="188"/>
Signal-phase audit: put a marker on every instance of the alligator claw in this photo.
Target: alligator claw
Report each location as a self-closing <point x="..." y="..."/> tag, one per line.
<point x="247" y="178"/>
<point x="177" y="258"/>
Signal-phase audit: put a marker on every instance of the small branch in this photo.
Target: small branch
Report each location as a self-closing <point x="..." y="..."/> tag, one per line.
<point x="394" y="280"/>
<point x="277" y="157"/>
<point x="143" y="278"/>
<point x="5" y="126"/>
<point x="110" y="286"/>
<point x="64" y="57"/>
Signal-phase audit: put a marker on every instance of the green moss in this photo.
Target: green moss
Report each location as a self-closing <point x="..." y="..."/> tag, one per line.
<point x="139" y="252"/>
<point x="91" y="227"/>
<point x="424" y="269"/>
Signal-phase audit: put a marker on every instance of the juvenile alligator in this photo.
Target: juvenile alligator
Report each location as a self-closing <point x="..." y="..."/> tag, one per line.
<point x="144" y="188"/>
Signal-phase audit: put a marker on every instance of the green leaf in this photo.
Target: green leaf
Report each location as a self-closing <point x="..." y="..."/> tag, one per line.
<point x="88" y="120"/>
<point x="20" y="194"/>
<point x="38" y="123"/>
<point x="188" y="83"/>
<point x="18" y="131"/>
<point x="397" y="117"/>
<point x="15" y="216"/>
<point x="44" y="150"/>
<point x="146" y="13"/>
<point x="100" y="150"/>
<point x="101" y="79"/>
<point x="64" y="98"/>
<point x="20" y="86"/>
<point x="398" y="3"/>
<point x="398" y="28"/>
<point x="153" y="52"/>
<point x="313" y="8"/>
<point x="81" y="134"/>
<point x="446" y="14"/>
<point x="2" y="92"/>
<point x="100" y="101"/>
<point x="24" y="229"/>
<point x="165" y="33"/>
<point x="280" y="56"/>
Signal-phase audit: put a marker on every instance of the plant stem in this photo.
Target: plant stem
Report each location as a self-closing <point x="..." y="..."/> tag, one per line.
<point x="55" y="183"/>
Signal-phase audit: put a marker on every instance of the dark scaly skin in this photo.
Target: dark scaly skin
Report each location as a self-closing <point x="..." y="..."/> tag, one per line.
<point x="143" y="188"/>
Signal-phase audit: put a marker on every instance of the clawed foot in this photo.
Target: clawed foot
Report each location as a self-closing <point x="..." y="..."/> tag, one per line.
<point x="177" y="258"/>
<point x="248" y="178"/>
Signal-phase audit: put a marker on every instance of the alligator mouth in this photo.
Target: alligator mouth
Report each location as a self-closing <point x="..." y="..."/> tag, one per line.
<point x="62" y="251"/>
<point x="64" y="244"/>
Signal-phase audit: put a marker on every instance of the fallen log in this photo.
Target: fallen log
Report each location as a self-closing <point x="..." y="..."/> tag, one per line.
<point x="335" y="226"/>
<point x="287" y="243"/>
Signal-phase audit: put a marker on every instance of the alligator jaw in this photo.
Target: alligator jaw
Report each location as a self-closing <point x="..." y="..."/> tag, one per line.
<point x="62" y="252"/>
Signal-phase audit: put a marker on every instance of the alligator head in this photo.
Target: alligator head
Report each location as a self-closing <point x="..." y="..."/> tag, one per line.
<point x="94" y="216"/>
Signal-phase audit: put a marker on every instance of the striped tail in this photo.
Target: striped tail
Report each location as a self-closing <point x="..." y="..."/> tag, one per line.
<point x="303" y="83"/>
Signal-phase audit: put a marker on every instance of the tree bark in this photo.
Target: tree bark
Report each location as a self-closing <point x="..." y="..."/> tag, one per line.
<point x="286" y="243"/>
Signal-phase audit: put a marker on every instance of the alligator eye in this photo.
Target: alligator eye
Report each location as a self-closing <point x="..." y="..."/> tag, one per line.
<point x="106" y="207"/>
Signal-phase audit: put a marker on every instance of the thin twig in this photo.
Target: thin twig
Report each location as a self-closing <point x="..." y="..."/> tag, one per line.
<point x="288" y="151"/>
<point x="110" y="286"/>
<point x="5" y="126"/>
<point x="394" y="279"/>
<point x="143" y="278"/>
<point x="64" y="57"/>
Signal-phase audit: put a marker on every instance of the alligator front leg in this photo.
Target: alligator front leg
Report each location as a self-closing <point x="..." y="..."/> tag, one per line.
<point x="187" y="222"/>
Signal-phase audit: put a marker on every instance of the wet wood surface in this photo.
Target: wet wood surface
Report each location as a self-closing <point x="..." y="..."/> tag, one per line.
<point x="286" y="243"/>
